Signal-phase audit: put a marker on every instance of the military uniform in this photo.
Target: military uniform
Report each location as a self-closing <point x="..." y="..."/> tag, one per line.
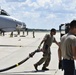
<point x="46" y="51"/>
<point x="67" y="41"/>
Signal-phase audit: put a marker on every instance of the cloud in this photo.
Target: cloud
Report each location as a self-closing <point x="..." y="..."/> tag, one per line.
<point x="14" y="0"/>
<point x="42" y="3"/>
<point x="41" y="12"/>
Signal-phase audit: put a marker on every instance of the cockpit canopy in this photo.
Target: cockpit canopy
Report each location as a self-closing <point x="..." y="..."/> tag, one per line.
<point x="3" y="12"/>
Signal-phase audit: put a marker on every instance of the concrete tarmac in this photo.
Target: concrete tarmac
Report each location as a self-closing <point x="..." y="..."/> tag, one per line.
<point x="15" y="49"/>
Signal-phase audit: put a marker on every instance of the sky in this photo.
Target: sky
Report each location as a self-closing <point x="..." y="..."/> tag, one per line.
<point x="41" y="14"/>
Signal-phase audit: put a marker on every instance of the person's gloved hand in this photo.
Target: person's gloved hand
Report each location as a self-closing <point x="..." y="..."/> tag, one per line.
<point x="60" y="65"/>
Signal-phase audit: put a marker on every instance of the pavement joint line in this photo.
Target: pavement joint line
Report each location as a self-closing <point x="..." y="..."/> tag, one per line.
<point x="11" y="45"/>
<point x="17" y="50"/>
<point x="8" y="55"/>
<point x="16" y="46"/>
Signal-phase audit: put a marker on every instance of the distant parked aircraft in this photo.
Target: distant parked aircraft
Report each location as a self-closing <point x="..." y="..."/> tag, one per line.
<point x="8" y="23"/>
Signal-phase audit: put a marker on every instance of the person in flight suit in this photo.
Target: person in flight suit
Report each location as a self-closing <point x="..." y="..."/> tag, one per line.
<point x="47" y="42"/>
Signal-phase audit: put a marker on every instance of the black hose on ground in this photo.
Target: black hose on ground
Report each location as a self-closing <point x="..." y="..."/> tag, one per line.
<point x="21" y="62"/>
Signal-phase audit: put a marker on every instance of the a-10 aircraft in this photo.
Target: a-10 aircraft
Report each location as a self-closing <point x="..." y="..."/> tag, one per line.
<point x="8" y="23"/>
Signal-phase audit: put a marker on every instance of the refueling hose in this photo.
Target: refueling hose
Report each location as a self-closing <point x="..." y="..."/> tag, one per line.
<point x="21" y="62"/>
